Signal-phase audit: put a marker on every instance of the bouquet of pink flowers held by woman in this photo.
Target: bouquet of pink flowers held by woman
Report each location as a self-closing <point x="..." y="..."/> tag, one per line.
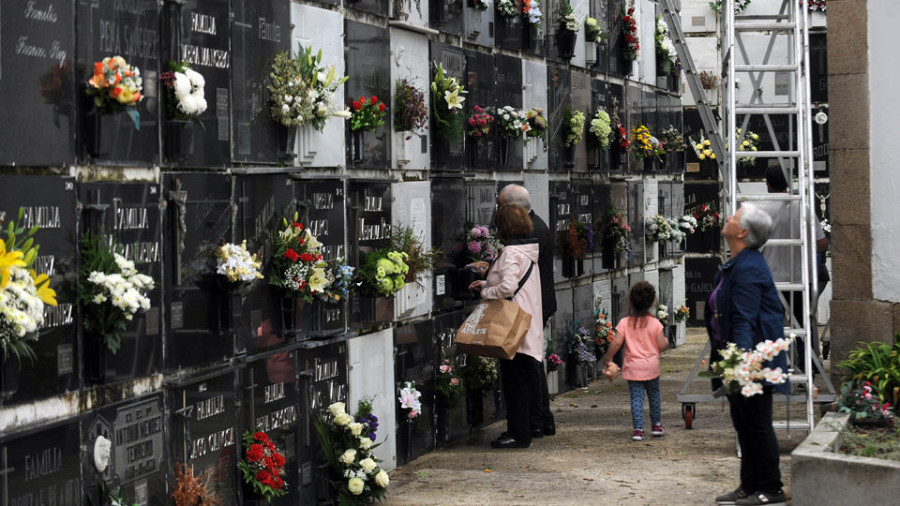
<point x="742" y="370"/>
<point x="481" y="245"/>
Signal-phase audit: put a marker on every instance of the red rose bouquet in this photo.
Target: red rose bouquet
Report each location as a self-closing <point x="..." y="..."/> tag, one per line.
<point x="632" y="46"/>
<point x="298" y="268"/>
<point x="263" y="466"/>
<point x="367" y="114"/>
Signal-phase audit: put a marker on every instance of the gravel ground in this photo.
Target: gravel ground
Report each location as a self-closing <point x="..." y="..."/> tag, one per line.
<point x="592" y="459"/>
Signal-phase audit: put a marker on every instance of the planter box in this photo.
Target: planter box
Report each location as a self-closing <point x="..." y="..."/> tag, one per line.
<point x="819" y="475"/>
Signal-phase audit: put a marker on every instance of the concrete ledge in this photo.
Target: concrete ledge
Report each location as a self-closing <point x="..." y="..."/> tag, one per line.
<point x="821" y="476"/>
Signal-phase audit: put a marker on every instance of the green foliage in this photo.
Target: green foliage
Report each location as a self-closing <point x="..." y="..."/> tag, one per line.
<point x="479" y="373"/>
<point x="420" y="258"/>
<point x="878" y="363"/>
<point x="103" y="320"/>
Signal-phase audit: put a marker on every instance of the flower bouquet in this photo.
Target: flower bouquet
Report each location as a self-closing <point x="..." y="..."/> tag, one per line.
<point x="340" y="279"/>
<point x="537" y="123"/>
<point x="574" y="127"/>
<point x="383" y="273"/>
<point x="553" y="362"/>
<point x="409" y="399"/>
<point x="601" y="127"/>
<point x="480" y="5"/>
<point x="579" y="238"/>
<point x="665" y="50"/>
<point x="511" y="122"/>
<point x="592" y="31"/>
<point x="479" y="373"/>
<point x="419" y="259"/>
<point x="531" y="9"/>
<point x="349" y="451"/>
<point x="116" y="87"/>
<point x="661" y="229"/>
<point x="742" y="370"/>
<point x="263" y="466"/>
<point x="864" y="405"/>
<point x="623" y="145"/>
<point x="645" y="144"/>
<point x="615" y="229"/>
<point x="367" y="114"/>
<point x="605" y="332"/>
<point x="817" y="5"/>
<point x="702" y="147"/>
<point x="581" y="343"/>
<point x="739" y="5"/>
<point x="507" y="8"/>
<point x="481" y="245"/>
<point x="447" y="385"/>
<point x="688" y="224"/>
<point x="237" y="265"/>
<point x="479" y="124"/>
<point x="302" y="90"/>
<point x="662" y="314"/>
<point x="298" y="269"/>
<point x="671" y="139"/>
<point x="747" y="141"/>
<point x="632" y="47"/>
<point x="23" y="292"/>
<point x="447" y="97"/>
<point x="110" y="289"/>
<point x="410" y="114"/>
<point x="708" y="218"/>
<point x="567" y="19"/>
<point x="186" y="96"/>
<point x="682" y="313"/>
<point x="191" y="489"/>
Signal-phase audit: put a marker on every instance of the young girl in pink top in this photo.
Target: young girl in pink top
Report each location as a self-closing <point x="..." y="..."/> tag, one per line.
<point x="643" y="337"/>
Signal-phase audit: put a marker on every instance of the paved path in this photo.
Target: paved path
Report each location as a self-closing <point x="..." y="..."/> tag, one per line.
<point x="592" y="459"/>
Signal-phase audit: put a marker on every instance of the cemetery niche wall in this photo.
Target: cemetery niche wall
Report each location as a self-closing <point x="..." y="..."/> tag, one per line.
<point x="207" y="360"/>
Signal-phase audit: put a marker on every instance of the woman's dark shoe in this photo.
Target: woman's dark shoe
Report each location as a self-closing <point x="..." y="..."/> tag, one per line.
<point x="508" y="442"/>
<point x="549" y="431"/>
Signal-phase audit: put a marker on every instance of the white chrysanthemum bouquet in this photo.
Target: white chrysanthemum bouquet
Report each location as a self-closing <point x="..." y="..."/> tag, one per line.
<point x="110" y="289"/>
<point x="238" y="265"/>
<point x="187" y="98"/>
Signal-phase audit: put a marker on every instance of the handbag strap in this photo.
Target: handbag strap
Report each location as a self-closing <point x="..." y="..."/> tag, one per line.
<point x="522" y="282"/>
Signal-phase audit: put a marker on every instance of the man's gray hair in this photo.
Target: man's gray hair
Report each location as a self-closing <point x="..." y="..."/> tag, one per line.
<point x="758" y="223"/>
<point x="516" y="194"/>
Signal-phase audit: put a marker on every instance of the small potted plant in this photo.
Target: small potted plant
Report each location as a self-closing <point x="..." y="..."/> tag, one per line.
<point x="709" y="81"/>
<point x="566" y="31"/>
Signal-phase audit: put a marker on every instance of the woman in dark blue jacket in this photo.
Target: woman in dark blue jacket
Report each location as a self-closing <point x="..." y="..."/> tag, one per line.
<point x="744" y="309"/>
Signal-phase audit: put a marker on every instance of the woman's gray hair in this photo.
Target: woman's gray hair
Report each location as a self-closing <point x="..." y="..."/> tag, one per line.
<point x="758" y="224"/>
<point x="516" y="194"/>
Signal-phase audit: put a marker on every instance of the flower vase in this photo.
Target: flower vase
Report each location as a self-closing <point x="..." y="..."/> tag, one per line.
<point x="472" y="151"/>
<point x="356" y="145"/>
<point x="590" y="53"/>
<point x="442" y="425"/>
<point x="179" y="139"/>
<point x="570" y="156"/>
<point x="627" y="66"/>
<point x="230" y="312"/>
<point x="403" y="156"/>
<point x="474" y="407"/>
<point x="531" y="37"/>
<point x="287" y="143"/>
<point x="609" y="254"/>
<point x="504" y="150"/>
<point x="291" y="312"/>
<point x="572" y="267"/>
<point x="9" y="379"/>
<point x="95" y="361"/>
<point x="565" y="43"/>
<point x="93" y="133"/>
<point x="649" y="164"/>
<point x="376" y="309"/>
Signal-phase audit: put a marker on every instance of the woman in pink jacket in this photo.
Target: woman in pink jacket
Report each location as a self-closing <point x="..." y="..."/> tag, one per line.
<point x="517" y="266"/>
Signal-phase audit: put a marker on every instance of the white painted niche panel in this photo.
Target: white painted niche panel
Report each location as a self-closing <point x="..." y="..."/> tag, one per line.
<point x="409" y="59"/>
<point x="534" y="95"/>
<point x="411" y="207"/>
<point x="371" y="376"/>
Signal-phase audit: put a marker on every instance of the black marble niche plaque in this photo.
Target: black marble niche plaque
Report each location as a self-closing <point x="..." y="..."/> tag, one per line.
<point x="482" y="87"/>
<point x="368" y="61"/>
<point x="129" y="214"/>
<point x="129" y="30"/>
<point x="584" y="208"/>
<point x="448" y="215"/>
<point x="37" y="95"/>
<point x="699" y="276"/>
<point x="52" y="208"/>
<point x="562" y="211"/>
<point x="818" y="67"/>
<point x="138" y="458"/>
<point x="446" y="16"/>
<point x="42" y="467"/>
<point x="260" y="30"/>
<point x="201" y="37"/>
<point x="481" y="202"/>
<point x="203" y="423"/>
<point x="368" y="228"/>
<point x="820" y="148"/>
<point x="323" y="381"/>
<point x="447" y="151"/>
<point x="637" y="220"/>
<point x="617" y="112"/>
<point x="321" y="203"/>
<point x="263" y="201"/>
<point x="618" y="65"/>
<point x="201" y="308"/>
<point x="580" y="101"/>
<point x="272" y="397"/>
<point x="697" y="195"/>
<point x="509" y="32"/>
<point x="559" y="88"/>
<point x="413" y="362"/>
<point x="509" y="92"/>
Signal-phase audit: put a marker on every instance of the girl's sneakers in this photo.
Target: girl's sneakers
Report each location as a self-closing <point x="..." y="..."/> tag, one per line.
<point x="637" y="435"/>
<point x="658" y="430"/>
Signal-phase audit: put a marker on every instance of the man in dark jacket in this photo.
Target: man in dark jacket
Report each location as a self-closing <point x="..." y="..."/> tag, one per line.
<point x="542" y="422"/>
